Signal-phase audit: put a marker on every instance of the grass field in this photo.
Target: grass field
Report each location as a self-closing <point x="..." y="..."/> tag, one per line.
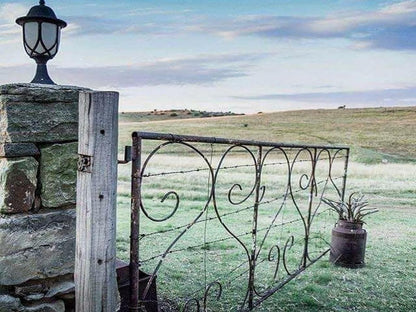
<point x="383" y="167"/>
<point x="374" y="133"/>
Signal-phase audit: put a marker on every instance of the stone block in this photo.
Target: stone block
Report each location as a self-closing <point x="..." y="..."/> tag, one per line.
<point x="27" y="290"/>
<point x="34" y="297"/>
<point x="58" y="174"/>
<point x="38" y="113"/>
<point x="12" y="304"/>
<point x="9" y="303"/>
<point x="61" y="288"/>
<point x="18" y="181"/>
<point x="56" y="306"/>
<point x="18" y="150"/>
<point x="37" y="246"/>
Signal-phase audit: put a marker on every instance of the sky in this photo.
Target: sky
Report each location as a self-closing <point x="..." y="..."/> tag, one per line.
<point x="243" y="56"/>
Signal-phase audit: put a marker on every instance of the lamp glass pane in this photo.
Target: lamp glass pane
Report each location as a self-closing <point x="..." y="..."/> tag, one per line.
<point x="31" y="34"/>
<point x="55" y="48"/>
<point x="39" y="49"/>
<point x="28" y="51"/>
<point x="49" y="35"/>
<point x="53" y="51"/>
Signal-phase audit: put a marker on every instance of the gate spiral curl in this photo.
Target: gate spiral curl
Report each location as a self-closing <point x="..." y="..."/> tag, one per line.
<point x="281" y="189"/>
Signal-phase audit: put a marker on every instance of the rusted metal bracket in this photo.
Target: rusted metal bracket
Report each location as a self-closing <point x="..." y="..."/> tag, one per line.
<point x="127" y="155"/>
<point x="84" y="163"/>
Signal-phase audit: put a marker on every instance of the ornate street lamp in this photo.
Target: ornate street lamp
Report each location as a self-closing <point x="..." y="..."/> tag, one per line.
<point x="41" y="35"/>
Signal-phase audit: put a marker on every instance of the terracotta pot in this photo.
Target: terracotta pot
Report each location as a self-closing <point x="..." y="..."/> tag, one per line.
<point x="348" y="244"/>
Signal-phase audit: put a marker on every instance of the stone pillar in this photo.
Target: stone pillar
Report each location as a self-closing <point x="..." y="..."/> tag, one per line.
<point x="38" y="163"/>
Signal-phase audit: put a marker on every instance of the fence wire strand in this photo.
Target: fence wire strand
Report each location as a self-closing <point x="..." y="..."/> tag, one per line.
<point x="237" y="211"/>
<point x="295" y="213"/>
<point x="148" y="175"/>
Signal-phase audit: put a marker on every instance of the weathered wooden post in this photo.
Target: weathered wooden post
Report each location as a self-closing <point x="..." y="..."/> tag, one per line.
<point x="95" y="269"/>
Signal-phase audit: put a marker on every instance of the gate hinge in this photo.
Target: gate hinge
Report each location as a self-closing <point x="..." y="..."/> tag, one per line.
<point x="84" y="163"/>
<point x="127" y="155"/>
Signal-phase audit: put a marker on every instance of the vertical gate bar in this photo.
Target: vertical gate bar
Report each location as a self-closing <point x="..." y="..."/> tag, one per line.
<point x="344" y="182"/>
<point x="134" y="223"/>
<point x="310" y="204"/>
<point x="254" y="229"/>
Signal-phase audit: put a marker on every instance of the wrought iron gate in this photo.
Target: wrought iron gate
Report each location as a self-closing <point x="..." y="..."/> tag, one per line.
<point x="224" y="224"/>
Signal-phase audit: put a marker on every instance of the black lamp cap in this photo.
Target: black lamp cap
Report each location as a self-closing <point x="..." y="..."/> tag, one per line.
<point x="41" y="12"/>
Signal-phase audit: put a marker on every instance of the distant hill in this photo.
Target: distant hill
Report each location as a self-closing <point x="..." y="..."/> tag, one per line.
<point x="376" y="135"/>
<point x="156" y="115"/>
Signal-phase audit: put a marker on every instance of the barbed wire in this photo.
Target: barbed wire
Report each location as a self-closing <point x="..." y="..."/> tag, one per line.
<point x="227" y="238"/>
<point x="148" y="175"/>
<point x="260" y="241"/>
<point x="143" y="235"/>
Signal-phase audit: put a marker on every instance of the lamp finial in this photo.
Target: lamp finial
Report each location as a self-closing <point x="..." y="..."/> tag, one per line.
<point x="42" y="2"/>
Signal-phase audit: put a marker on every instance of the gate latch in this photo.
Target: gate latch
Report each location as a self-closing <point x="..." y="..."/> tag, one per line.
<point x="127" y="155"/>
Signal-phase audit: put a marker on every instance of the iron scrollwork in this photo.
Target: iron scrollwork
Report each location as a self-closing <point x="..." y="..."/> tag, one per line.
<point x="301" y="190"/>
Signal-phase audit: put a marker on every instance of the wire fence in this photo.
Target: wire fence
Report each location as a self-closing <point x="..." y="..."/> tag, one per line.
<point x="223" y="224"/>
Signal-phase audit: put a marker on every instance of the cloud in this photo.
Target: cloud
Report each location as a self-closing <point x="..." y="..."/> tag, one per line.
<point x="130" y="20"/>
<point x="391" y="27"/>
<point x="10" y="11"/>
<point x="204" y="69"/>
<point x="97" y="25"/>
<point x="393" y="38"/>
<point x="87" y="25"/>
<point x="8" y="14"/>
<point x="375" y="97"/>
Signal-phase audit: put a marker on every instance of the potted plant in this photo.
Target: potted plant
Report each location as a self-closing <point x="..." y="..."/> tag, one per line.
<point x="348" y="236"/>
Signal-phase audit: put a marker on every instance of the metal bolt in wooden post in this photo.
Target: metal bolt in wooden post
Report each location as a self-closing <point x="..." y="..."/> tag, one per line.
<point x="95" y="270"/>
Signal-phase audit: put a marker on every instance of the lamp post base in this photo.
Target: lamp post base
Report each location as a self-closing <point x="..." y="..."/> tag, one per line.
<point x="42" y="75"/>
